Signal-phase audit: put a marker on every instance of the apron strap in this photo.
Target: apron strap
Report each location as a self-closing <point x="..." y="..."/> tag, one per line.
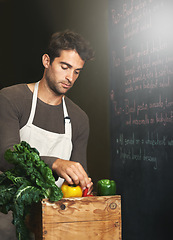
<point x="67" y="121"/>
<point x="34" y="103"/>
<point x="68" y="131"/>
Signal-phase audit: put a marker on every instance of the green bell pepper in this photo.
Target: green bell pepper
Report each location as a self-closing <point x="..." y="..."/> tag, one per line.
<point x="106" y="187"/>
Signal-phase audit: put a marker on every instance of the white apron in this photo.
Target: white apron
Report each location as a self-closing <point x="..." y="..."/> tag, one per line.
<point x="48" y="143"/>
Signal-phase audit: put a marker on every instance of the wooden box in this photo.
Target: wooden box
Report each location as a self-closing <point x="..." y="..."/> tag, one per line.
<point x="87" y="218"/>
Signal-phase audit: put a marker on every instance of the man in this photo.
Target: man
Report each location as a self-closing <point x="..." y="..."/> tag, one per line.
<point x="40" y="114"/>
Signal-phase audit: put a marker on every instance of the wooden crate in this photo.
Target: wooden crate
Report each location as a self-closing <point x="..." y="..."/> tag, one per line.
<point x="87" y="218"/>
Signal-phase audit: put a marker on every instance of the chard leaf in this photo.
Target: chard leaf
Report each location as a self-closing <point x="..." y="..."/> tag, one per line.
<point x="28" y="182"/>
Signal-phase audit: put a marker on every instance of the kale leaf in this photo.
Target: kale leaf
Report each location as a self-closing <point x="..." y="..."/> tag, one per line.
<point x="30" y="181"/>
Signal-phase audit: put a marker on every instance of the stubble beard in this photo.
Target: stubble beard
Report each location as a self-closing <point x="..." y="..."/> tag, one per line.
<point x="56" y="89"/>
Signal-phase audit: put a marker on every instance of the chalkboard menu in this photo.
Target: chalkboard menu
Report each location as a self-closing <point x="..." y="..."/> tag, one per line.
<point x="141" y="97"/>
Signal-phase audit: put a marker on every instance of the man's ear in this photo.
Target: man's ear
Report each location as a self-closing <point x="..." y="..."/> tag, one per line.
<point x="46" y="60"/>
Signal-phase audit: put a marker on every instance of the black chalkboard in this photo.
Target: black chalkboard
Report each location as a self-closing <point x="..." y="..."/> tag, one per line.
<point x="141" y="97"/>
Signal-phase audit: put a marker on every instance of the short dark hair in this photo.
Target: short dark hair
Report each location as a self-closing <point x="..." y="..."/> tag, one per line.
<point x="69" y="40"/>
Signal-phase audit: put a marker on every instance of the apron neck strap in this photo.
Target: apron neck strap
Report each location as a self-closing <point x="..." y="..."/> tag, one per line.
<point x="64" y="108"/>
<point x="68" y="128"/>
<point x="34" y="103"/>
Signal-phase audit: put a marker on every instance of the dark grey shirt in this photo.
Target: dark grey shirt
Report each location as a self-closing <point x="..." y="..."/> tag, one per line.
<point x="15" y="107"/>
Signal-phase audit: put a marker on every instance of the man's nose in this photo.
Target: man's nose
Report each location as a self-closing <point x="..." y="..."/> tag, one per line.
<point x="70" y="76"/>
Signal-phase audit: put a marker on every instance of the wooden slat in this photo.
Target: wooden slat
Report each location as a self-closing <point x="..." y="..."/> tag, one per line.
<point x="82" y="209"/>
<point x="90" y="218"/>
<point x="97" y="230"/>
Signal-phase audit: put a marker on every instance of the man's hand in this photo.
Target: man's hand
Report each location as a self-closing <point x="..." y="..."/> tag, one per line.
<point x="72" y="172"/>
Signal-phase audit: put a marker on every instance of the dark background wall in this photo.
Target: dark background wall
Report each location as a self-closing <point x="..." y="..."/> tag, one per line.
<point x="25" y="29"/>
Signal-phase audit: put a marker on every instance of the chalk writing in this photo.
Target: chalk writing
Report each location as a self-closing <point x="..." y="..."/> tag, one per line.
<point x="141" y="95"/>
<point x="138" y="112"/>
<point x="146" y="69"/>
<point x="141" y="99"/>
<point x="136" y="17"/>
<point x="133" y="148"/>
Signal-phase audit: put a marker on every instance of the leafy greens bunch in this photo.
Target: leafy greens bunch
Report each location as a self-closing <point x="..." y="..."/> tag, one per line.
<point x="30" y="181"/>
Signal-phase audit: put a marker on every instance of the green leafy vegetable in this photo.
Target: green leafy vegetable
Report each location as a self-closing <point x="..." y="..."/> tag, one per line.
<point x="30" y="181"/>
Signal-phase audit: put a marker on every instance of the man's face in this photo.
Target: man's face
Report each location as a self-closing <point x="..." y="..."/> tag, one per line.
<point x="63" y="72"/>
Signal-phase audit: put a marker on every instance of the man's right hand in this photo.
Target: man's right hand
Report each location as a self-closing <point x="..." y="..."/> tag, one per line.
<point x="73" y="173"/>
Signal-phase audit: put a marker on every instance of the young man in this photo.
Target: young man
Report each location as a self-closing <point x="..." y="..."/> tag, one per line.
<point x="40" y="113"/>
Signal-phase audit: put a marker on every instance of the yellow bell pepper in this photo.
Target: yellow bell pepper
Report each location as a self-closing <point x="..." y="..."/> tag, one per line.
<point x="71" y="190"/>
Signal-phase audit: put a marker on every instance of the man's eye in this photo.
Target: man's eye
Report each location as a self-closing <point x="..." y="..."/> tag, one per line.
<point x="64" y="67"/>
<point x="77" y="72"/>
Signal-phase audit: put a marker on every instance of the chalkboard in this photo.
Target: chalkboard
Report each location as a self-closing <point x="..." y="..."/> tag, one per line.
<point x="141" y="97"/>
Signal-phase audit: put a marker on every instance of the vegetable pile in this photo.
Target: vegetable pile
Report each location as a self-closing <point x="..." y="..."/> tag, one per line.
<point x="30" y="181"/>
